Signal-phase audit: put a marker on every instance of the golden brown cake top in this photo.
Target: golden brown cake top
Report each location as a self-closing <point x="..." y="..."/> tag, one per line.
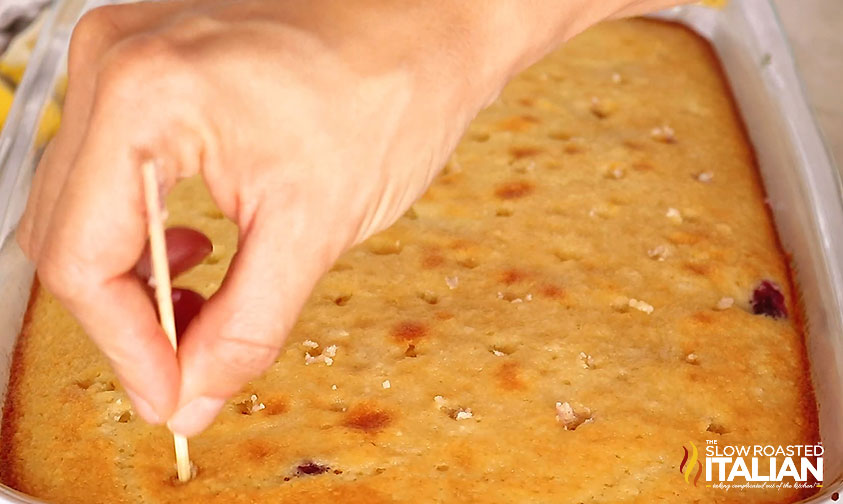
<point x="568" y="305"/>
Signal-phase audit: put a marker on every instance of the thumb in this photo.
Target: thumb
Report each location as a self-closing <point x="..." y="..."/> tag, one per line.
<point x="240" y="330"/>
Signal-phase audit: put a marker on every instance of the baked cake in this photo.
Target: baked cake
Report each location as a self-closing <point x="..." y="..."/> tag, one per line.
<point x="592" y="283"/>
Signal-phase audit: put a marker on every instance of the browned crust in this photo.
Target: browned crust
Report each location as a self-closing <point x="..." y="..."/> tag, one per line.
<point x="808" y="404"/>
<point x="9" y="474"/>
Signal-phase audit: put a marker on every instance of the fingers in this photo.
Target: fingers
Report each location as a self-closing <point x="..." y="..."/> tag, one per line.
<point x="95" y="34"/>
<point x="240" y="330"/>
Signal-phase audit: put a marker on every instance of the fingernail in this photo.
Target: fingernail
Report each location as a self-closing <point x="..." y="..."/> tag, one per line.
<point x="143" y="408"/>
<point x="194" y="416"/>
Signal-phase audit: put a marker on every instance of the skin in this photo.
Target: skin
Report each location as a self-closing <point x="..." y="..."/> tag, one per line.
<point x="348" y="112"/>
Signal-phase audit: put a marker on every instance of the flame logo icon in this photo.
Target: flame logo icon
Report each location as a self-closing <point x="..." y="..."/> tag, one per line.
<point x="687" y="465"/>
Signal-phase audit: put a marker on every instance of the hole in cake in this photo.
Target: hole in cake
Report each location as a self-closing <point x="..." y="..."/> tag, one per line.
<point x="96" y="385"/>
<point x="428" y="297"/>
<point x="479" y="137"/>
<point x="717" y="428"/>
<point x="559" y="135"/>
<point x="311" y="469"/>
<point x="384" y="246"/>
<point x="513" y="297"/>
<point x="566" y="255"/>
<point x="411" y="351"/>
<point x="601" y="109"/>
<point x="454" y="413"/>
<point x="338" y="406"/>
<point x="342" y="299"/>
<point x="125" y="417"/>
<point x="250" y="405"/>
<point x="468" y="262"/>
<point x="174" y="479"/>
<point x="503" y="212"/>
<point x="500" y="350"/>
<point x="442" y="467"/>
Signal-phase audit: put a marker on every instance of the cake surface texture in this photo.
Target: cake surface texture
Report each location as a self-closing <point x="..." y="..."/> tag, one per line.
<point x="578" y="296"/>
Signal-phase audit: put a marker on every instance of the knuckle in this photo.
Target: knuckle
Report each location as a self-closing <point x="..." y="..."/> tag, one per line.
<point x="61" y="276"/>
<point x="140" y="65"/>
<point x="93" y="27"/>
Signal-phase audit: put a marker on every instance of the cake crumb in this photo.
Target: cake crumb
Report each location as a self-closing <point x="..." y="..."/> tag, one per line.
<point x="587" y="360"/>
<point x="641" y="305"/>
<point x="310" y="344"/>
<point x="326" y="357"/>
<point x="664" y="134"/>
<point x="659" y="252"/>
<point x="674" y="215"/>
<point x="452" y="282"/>
<point x="692" y="358"/>
<point x="463" y="414"/>
<point x="617" y="78"/>
<point x="386" y="384"/>
<point x="705" y="177"/>
<point x="724" y="303"/>
<point x="571" y="418"/>
<point x="333" y="387"/>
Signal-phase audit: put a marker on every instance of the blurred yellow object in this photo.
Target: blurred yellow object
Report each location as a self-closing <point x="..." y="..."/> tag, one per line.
<point x="6" y="96"/>
<point x="717" y="4"/>
<point x="50" y="119"/>
<point x="12" y="71"/>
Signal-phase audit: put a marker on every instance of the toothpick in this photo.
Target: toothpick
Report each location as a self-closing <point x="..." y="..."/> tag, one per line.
<point x="163" y="291"/>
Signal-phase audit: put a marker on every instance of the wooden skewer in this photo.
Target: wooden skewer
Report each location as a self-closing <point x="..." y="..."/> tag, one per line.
<point x="163" y="291"/>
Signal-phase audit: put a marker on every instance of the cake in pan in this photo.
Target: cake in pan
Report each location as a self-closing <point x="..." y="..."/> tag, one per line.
<point x="593" y="283"/>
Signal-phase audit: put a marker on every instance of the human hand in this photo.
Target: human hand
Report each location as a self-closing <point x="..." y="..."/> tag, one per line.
<point x="315" y="124"/>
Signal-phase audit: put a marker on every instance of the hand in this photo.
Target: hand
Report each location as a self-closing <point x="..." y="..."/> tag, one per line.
<point x="314" y="124"/>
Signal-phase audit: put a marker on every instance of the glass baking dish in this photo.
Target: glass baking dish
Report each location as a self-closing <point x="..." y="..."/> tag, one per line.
<point x="803" y="187"/>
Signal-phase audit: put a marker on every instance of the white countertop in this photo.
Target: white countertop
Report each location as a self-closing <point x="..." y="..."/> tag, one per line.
<point x="814" y="28"/>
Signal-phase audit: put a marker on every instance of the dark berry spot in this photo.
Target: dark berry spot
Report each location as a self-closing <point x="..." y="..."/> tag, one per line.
<point x="186" y="305"/>
<point x="311" y="468"/>
<point x="768" y="300"/>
